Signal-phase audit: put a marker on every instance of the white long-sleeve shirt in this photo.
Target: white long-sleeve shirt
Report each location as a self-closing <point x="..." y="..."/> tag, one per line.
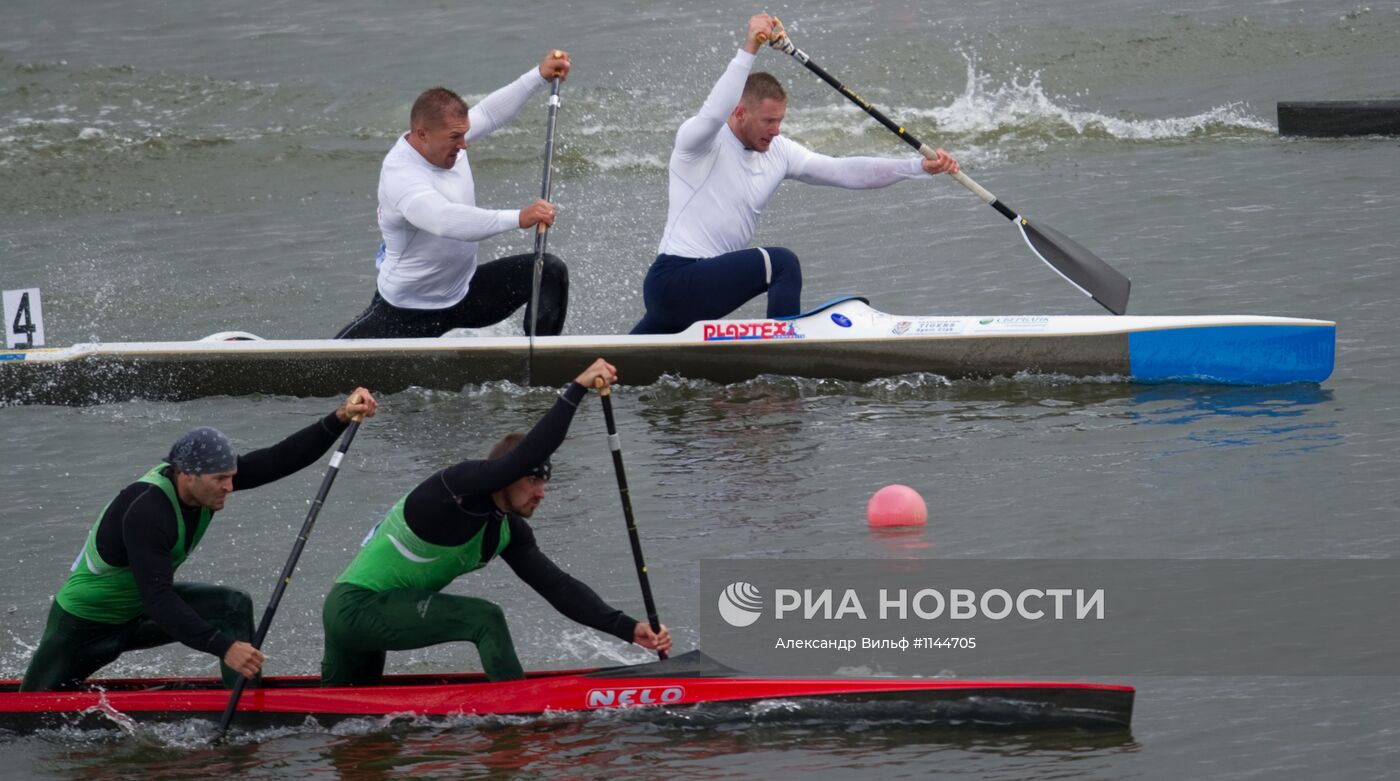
<point x="429" y="217"/>
<point x="718" y="188"/>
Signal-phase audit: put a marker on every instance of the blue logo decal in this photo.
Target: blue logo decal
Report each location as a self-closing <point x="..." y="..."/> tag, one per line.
<point x="840" y="320"/>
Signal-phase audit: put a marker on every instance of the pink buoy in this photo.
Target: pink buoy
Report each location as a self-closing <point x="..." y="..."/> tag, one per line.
<point x="896" y="505"/>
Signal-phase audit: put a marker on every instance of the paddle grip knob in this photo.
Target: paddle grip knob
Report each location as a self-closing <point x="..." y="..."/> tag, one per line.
<point x="354" y="399"/>
<point x="776" y="39"/>
<point x="779" y="38"/>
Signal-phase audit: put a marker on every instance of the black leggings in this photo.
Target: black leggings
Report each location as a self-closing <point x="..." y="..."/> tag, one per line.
<point x="74" y="648"/>
<point x="497" y="289"/>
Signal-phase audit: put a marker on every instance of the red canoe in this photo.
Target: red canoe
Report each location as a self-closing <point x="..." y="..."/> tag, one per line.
<point x="683" y="681"/>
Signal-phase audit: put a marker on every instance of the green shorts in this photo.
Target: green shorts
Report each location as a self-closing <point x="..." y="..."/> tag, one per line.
<point x="361" y="625"/>
<point x="74" y="648"/>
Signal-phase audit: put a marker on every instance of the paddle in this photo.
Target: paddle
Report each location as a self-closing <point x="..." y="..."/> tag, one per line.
<point x="1077" y="265"/>
<point x="615" y="444"/>
<point x="286" y="577"/>
<point x="542" y="230"/>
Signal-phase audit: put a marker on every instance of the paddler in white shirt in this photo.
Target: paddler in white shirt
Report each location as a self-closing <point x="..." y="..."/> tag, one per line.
<point x="429" y="279"/>
<point x="727" y="162"/>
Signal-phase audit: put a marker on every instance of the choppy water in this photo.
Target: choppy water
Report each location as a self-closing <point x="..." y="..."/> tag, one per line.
<point x="173" y="170"/>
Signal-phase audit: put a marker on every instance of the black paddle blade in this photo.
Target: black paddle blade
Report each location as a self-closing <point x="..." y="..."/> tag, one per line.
<point x="1082" y="268"/>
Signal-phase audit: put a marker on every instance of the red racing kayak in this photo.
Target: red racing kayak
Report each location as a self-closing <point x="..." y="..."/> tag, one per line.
<point x="684" y="681"/>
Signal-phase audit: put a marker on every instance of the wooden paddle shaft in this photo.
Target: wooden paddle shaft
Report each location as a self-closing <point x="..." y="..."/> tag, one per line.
<point x="963" y="179"/>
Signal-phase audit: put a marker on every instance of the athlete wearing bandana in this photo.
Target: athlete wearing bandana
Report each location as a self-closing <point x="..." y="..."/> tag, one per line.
<point x="121" y="593"/>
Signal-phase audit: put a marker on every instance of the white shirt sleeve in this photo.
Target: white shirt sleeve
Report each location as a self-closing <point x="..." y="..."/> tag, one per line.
<point x="496" y="110"/>
<point x="697" y="135"/>
<point x="852" y="173"/>
<point x="428" y="210"/>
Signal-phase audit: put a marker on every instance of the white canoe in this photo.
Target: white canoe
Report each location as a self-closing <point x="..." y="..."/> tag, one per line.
<point x="843" y="339"/>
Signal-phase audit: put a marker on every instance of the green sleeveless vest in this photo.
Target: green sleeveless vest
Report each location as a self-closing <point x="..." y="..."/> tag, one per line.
<point x="98" y="591"/>
<point x="394" y="557"/>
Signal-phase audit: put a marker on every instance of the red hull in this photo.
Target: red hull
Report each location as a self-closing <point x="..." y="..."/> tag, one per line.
<point x="684" y="681"/>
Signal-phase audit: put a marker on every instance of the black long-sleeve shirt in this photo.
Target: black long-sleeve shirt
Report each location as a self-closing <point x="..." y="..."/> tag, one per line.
<point x="452" y="506"/>
<point x="138" y="531"/>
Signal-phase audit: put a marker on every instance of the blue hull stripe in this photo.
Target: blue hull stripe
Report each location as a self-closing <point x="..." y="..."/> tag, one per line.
<point x="1234" y="354"/>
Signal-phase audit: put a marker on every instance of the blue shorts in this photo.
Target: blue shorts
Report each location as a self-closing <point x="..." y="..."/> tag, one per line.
<point x="680" y="291"/>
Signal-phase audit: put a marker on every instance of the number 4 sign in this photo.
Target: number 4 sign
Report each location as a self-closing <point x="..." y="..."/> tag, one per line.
<point x="24" y="318"/>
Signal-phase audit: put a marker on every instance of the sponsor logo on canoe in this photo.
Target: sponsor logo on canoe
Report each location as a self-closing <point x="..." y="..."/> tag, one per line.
<point x="624" y="698"/>
<point x="764" y="330"/>
<point x="1014" y="323"/>
<point x="926" y="326"/>
<point x="840" y="319"/>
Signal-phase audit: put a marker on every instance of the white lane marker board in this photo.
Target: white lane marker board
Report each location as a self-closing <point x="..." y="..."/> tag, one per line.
<point x="24" y="318"/>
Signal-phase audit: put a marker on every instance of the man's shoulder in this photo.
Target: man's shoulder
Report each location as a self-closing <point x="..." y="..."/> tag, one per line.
<point x="522" y="534"/>
<point x="150" y="509"/>
<point x="792" y="154"/>
<point x="404" y="170"/>
<point x="402" y="154"/>
<point x="787" y="147"/>
<point x="142" y="491"/>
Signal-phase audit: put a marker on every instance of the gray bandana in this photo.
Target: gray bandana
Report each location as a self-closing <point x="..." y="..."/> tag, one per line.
<point x="202" y="451"/>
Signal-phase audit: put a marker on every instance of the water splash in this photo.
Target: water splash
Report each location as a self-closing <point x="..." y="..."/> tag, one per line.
<point x="64" y="114"/>
<point x="586" y="647"/>
<point x="1020" y="107"/>
<point x="122" y="721"/>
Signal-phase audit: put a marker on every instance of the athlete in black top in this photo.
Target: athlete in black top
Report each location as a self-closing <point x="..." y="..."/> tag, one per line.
<point x="388" y="598"/>
<point x="137" y="531"/>
<point x="453" y="505"/>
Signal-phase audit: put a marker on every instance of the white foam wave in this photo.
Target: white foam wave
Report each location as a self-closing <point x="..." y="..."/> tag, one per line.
<point x="991" y="107"/>
<point x="986" y="106"/>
